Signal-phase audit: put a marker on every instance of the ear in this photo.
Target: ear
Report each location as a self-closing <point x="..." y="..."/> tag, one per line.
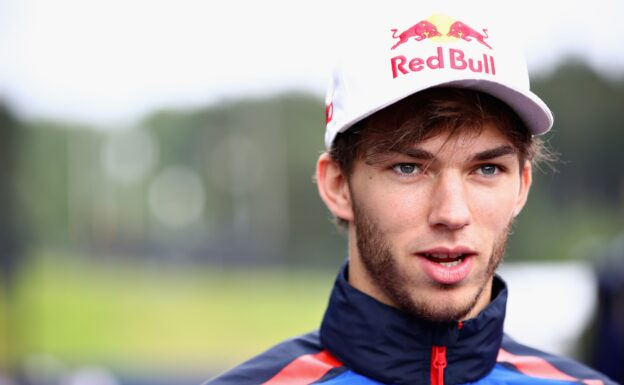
<point x="526" y="178"/>
<point x="333" y="187"/>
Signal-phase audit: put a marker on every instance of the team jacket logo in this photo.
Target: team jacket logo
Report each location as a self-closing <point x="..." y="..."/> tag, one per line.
<point x="452" y="57"/>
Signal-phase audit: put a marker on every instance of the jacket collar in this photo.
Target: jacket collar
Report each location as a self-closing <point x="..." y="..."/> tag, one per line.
<point x="385" y="344"/>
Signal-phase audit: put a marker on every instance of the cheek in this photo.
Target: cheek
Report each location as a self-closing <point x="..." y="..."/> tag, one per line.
<point x="494" y="208"/>
<point x="395" y="209"/>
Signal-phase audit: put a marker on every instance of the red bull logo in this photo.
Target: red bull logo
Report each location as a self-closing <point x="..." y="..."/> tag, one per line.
<point x="420" y="31"/>
<point x="451" y="57"/>
<point x="462" y="31"/>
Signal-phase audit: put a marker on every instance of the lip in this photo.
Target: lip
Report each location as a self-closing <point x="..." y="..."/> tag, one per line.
<point x="447" y="275"/>
<point x="448" y="250"/>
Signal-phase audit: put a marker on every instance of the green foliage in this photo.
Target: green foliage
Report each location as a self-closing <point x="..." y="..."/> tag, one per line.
<point x="54" y="181"/>
<point x="281" y="210"/>
<point x="584" y="199"/>
<point x="588" y="133"/>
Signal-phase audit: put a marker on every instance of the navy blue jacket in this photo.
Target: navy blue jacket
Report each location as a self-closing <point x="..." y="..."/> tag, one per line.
<point x="362" y="341"/>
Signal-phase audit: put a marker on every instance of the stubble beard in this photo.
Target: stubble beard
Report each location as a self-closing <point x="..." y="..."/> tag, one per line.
<point x="382" y="267"/>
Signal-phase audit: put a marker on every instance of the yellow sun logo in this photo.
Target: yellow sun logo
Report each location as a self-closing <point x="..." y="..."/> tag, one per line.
<point x="443" y="23"/>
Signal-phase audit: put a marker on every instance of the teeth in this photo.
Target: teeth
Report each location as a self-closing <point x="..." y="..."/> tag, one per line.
<point x="450" y="264"/>
<point x="444" y="256"/>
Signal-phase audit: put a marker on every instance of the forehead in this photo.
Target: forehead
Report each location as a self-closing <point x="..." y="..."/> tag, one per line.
<point x="464" y="135"/>
<point x="465" y="138"/>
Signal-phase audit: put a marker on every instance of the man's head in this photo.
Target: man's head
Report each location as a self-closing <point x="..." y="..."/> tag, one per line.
<point x="428" y="182"/>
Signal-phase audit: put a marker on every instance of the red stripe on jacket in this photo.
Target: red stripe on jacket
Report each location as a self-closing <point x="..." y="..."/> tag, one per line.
<point x="305" y="369"/>
<point x="538" y="367"/>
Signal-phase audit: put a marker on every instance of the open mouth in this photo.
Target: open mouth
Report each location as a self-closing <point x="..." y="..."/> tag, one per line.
<point x="447" y="267"/>
<point x="446" y="260"/>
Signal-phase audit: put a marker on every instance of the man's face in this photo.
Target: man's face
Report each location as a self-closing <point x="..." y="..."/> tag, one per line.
<point x="430" y="224"/>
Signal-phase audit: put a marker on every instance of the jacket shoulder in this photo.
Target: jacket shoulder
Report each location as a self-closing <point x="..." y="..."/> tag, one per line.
<point x="540" y="365"/>
<point x="301" y="360"/>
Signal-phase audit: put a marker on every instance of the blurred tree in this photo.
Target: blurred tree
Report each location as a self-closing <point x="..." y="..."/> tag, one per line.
<point x="42" y="183"/>
<point x="8" y="233"/>
<point x="583" y="200"/>
<point x="588" y="133"/>
<point x="258" y="157"/>
<point x="9" y="240"/>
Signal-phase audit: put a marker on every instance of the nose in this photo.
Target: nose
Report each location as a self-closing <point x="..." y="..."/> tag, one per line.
<point x="449" y="208"/>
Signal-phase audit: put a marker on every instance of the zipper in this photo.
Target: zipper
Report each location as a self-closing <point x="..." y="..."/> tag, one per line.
<point x="438" y="363"/>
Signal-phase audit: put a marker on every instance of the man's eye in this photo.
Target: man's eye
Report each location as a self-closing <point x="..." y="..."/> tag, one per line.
<point x="406" y="168"/>
<point x="488" y="170"/>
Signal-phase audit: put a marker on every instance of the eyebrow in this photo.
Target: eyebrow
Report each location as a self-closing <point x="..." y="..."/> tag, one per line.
<point x="420" y="154"/>
<point x="494" y="153"/>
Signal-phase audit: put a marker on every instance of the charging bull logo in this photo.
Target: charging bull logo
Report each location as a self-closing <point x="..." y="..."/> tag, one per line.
<point x="420" y="31"/>
<point x="431" y="27"/>
<point x="462" y="31"/>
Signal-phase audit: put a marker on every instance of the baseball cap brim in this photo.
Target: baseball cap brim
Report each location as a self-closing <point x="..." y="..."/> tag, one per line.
<point x="530" y="108"/>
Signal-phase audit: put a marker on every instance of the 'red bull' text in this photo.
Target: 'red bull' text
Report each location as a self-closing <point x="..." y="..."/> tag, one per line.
<point x="455" y="58"/>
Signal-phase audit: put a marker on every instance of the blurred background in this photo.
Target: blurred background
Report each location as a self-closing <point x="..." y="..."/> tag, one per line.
<point x="158" y="219"/>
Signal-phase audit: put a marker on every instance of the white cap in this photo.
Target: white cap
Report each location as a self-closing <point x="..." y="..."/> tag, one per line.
<point x="398" y="57"/>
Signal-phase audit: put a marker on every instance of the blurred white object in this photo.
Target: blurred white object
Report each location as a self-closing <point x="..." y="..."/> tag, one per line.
<point x="550" y="304"/>
<point x="91" y="375"/>
<point x="177" y="196"/>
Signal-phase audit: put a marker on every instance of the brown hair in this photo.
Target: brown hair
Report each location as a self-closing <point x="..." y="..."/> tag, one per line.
<point x="429" y="113"/>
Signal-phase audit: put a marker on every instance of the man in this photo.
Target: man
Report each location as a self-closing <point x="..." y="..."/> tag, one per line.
<point x="431" y="136"/>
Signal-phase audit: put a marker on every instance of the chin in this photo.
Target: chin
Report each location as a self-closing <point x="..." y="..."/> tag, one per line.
<point x="450" y="304"/>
